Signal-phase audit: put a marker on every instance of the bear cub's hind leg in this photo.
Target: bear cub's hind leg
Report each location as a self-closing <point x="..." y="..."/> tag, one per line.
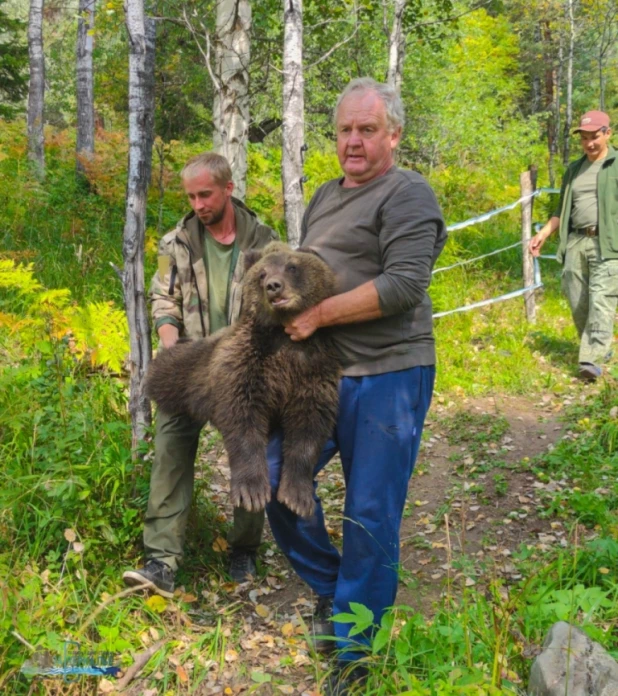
<point x="250" y="484"/>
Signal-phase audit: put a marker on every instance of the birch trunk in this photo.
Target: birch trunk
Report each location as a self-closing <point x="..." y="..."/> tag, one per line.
<point x="84" y="148"/>
<point x="396" y="48"/>
<point x="36" y="89"/>
<point x="293" y="119"/>
<point x="568" y="116"/>
<point x="231" y="103"/>
<point x="141" y="32"/>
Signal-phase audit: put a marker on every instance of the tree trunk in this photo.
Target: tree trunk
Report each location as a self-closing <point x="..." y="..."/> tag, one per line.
<point x="601" y="82"/>
<point x="84" y="148"/>
<point x="396" y="48"/>
<point x="568" y="117"/>
<point x="36" y="90"/>
<point x="141" y="32"/>
<point x="550" y="86"/>
<point x="293" y="119"/>
<point x="231" y="103"/>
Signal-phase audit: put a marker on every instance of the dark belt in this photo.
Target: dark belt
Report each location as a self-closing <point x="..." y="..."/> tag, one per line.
<point x="592" y="231"/>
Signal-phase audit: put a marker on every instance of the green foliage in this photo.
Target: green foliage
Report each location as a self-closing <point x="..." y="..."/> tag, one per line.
<point x="13" y="64"/>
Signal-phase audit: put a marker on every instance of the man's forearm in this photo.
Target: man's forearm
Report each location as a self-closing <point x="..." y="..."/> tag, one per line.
<point x="360" y="304"/>
<point x="550" y="226"/>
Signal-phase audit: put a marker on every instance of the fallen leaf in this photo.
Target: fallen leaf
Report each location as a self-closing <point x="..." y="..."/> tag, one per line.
<point x="156" y="603"/>
<point x="285" y="689"/>
<point x="262" y="610"/>
<point x="287" y="629"/>
<point x="219" y="545"/>
<point x="182" y="674"/>
<point x="231" y="656"/>
<point x="188" y="598"/>
<point x="105" y="685"/>
<point x="604" y="571"/>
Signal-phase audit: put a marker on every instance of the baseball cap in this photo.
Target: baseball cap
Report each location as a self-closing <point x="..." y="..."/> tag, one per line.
<point x="592" y="121"/>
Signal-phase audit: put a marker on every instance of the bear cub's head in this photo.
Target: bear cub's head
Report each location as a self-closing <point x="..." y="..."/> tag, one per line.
<point x="282" y="282"/>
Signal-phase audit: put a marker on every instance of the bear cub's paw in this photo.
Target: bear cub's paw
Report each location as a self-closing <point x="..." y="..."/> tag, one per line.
<point x="297" y="496"/>
<point x="251" y="493"/>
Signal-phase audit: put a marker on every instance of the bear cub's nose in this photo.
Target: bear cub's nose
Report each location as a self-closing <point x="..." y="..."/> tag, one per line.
<point x="274" y="287"/>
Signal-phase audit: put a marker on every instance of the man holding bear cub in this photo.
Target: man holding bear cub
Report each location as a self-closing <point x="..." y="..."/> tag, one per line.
<point x="380" y="229"/>
<point x="195" y="292"/>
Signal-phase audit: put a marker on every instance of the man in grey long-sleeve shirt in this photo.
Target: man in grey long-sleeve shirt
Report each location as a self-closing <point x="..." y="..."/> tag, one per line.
<point x="380" y="229"/>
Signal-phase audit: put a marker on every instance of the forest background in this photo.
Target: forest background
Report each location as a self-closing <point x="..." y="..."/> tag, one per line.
<point x="489" y="88"/>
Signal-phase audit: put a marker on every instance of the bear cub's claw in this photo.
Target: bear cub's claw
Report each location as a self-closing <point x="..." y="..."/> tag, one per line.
<point x="251" y="495"/>
<point x="297" y="498"/>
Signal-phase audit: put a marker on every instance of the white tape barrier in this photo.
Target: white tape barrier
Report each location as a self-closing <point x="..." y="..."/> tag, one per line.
<point x="476" y="258"/>
<point x="492" y="213"/>
<point x="493" y="300"/>
<point x="509" y="295"/>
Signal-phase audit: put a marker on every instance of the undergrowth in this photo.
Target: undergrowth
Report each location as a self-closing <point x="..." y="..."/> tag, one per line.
<point x="72" y="498"/>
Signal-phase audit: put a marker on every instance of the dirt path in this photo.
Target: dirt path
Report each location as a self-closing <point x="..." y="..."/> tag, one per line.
<point x="473" y="500"/>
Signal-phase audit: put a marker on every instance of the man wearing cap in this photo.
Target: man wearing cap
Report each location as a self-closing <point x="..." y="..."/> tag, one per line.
<point x="587" y="220"/>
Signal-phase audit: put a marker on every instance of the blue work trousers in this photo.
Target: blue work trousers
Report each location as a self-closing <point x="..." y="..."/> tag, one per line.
<point x="377" y="434"/>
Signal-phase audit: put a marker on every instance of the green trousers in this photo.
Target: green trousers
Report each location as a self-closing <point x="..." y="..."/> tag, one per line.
<point x="171" y="493"/>
<point x="591" y="286"/>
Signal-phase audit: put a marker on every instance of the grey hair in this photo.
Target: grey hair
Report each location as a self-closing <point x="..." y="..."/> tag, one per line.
<point x="395" y="116"/>
<point x="216" y="164"/>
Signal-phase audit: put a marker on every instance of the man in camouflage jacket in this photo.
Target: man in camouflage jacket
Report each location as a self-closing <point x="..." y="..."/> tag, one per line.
<point x="196" y="291"/>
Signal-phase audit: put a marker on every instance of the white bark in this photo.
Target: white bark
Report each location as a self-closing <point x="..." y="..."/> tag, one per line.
<point x="231" y="103"/>
<point x="84" y="147"/>
<point x="293" y="119"/>
<point x="141" y="32"/>
<point x="36" y="89"/>
<point x="568" y="116"/>
<point x="396" y="47"/>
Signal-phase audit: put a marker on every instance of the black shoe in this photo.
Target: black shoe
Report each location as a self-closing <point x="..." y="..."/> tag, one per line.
<point x="345" y="680"/>
<point x="322" y="629"/>
<point x="242" y="566"/>
<point x="156" y="575"/>
<point x="589" y="372"/>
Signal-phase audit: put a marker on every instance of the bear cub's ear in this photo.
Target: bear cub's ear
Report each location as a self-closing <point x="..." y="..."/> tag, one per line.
<point x="252" y="256"/>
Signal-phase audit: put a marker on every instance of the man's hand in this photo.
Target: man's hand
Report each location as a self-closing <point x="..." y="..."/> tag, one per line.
<point x="536" y="243"/>
<point x="168" y="334"/>
<point x="305" y="324"/>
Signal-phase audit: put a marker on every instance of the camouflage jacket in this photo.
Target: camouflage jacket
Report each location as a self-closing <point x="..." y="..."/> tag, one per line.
<point x="179" y="289"/>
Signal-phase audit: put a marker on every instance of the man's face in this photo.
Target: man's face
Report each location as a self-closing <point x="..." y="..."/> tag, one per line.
<point x="207" y="198"/>
<point x="595" y="144"/>
<point x="365" y="144"/>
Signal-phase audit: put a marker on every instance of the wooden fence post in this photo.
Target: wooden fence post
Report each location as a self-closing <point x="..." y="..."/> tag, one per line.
<point x="527" y="183"/>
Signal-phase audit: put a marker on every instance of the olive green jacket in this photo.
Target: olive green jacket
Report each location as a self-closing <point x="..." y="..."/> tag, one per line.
<point x="607" y="196"/>
<point x="179" y="289"/>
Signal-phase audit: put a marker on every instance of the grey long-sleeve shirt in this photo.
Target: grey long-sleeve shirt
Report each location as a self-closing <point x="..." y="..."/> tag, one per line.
<point x="391" y="231"/>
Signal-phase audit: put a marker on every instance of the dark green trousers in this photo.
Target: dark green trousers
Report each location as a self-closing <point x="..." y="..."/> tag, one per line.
<point x="171" y="493"/>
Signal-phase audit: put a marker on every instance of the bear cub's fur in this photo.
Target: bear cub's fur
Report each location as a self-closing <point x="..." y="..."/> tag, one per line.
<point x="251" y="378"/>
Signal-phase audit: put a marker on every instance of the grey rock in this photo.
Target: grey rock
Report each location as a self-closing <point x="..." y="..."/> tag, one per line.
<point x="572" y="665"/>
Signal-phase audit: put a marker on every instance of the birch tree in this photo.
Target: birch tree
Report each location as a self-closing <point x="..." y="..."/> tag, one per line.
<point x="141" y="31"/>
<point x="568" y="116"/>
<point x="293" y="119"/>
<point x="231" y="103"/>
<point x="36" y="89"/>
<point x="84" y="84"/>
<point x="396" y="47"/>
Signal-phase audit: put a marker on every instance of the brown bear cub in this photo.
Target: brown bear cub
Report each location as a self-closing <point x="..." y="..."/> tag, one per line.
<point x="251" y="378"/>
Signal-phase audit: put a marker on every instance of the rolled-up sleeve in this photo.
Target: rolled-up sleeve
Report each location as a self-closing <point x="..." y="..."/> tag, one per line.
<point x="412" y="235"/>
